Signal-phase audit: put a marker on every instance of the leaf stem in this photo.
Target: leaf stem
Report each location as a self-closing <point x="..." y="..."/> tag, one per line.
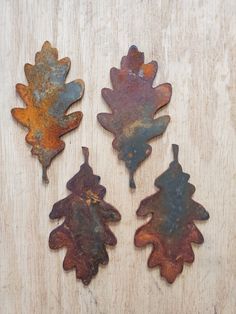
<point x="131" y="181"/>
<point x="175" y="149"/>
<point x="85" y="153"/>
<point x="45" y="176"/>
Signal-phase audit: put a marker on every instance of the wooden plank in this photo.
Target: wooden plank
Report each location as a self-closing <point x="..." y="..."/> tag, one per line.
<point x="194" y="44"/>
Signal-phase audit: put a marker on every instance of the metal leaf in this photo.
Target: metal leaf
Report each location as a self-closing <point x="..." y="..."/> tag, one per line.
<point x="134" y="102"/>
<point x="171" y="228"/>
<point x="84" y="231"/>
<point x="47" y="98"/>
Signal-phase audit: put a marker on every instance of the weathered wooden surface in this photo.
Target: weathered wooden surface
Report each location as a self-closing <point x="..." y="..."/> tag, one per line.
<point x="194" y="44"/>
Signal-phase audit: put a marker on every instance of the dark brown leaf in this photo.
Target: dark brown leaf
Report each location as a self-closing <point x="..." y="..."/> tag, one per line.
<point x="84" y="231"/>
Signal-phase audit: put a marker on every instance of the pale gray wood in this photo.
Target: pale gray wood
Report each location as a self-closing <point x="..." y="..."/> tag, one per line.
<point x="194" y="44"/>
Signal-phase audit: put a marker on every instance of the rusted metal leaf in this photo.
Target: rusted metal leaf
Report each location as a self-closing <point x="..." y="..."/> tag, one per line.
<point x="134" y="102"/>
<point x="84" y="231"/>
<point x="171" y="228"/>
<point x="47" y="98"/>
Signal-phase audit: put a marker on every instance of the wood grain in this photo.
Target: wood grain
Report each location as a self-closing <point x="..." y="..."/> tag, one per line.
<point x="194" y="44"/>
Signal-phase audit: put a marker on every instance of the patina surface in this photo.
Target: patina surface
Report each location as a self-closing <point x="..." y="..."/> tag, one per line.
<point x="171" y="228"/>
<point x="84" y="231"/>
<point x="133" y="103"/>
<point x="47" y="98"/>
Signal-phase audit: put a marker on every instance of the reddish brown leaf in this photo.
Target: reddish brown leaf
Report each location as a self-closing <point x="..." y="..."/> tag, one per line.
<point x="171" y="228"/>
<point x="47" y="98"/>
<point x="134" y="102"/>
<point x="84" y="231"/>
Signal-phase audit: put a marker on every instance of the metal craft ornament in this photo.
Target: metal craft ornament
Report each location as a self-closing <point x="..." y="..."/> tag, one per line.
<point x="84" y="232"/>
<point x="171" y="229"/>
<point x="134" y="103"/>
<point x="47" y="99"/>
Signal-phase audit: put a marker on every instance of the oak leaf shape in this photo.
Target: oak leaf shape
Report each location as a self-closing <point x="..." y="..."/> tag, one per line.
<point x="47" y="99"/>
<point x="134" y="103"/>
<point x="84" y="231"/>
<point x="171" y="228"/>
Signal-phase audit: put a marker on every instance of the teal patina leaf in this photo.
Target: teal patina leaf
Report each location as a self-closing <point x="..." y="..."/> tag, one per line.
<point x="171" y="230"/>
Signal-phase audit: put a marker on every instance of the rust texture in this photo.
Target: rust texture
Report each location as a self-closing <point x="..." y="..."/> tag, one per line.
<point x="84" y="231"/>
<point x="47" y="98"/>
<point x="171" y="230"/>
<point x="133" y="103"/>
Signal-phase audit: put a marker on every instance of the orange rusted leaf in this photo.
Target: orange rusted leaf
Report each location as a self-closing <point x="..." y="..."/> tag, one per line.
<point x="134" y="103"/>
<point x="47" y="99"/>
<point x="171" y="228"/>
<point x="84" y="231"/>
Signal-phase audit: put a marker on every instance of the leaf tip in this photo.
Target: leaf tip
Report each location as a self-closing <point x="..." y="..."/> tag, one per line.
<point x="46" y="45"/>
<point x="133" y="47"/>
